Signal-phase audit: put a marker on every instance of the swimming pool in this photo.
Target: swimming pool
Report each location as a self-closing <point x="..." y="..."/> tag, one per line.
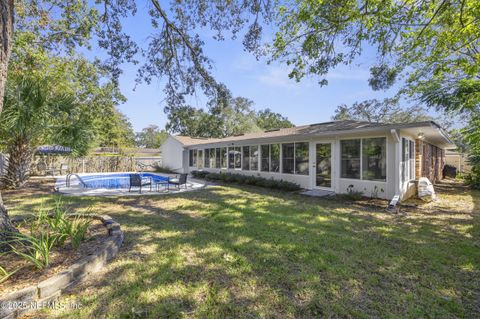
<point x="113" y="180"/>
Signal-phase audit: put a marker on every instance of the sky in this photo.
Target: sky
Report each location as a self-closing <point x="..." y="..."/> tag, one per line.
<point x="267" y="85"/>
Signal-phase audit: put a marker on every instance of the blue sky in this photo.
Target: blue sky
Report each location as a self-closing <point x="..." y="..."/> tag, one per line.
<point x="267" y="85"/>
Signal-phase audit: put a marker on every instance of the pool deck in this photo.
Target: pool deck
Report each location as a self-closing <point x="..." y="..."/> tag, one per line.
<point x="76" y="188"/>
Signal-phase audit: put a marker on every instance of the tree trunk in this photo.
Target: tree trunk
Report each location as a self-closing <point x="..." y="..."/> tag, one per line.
<point x="19" y="161"/>
<point x="6" y="33"/>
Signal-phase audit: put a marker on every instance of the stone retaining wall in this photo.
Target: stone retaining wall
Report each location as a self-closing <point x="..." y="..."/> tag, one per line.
<point x="18" y="303"/>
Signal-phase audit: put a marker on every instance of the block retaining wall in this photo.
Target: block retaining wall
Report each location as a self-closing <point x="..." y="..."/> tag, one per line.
<point x="18" y="303"/>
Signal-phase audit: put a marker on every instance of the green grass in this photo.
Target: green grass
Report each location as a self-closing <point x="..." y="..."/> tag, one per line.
<point x="248" y="253"/>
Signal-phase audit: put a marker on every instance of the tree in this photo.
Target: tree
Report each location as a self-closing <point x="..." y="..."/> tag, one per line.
<point x="236" y="117"/>
<point x="471" y="135"/>
<point x="269" y="120"/>
<point x="386" y="111"/>
<point x="114" y="129"/>
<point x="6" y="31"/>
<point x="151" y="137"/>
<point x="433" y="45"/>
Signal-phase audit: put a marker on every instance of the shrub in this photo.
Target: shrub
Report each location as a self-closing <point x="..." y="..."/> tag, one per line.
<point x="34" y="249"/>
<point x="162" y="169"/>
<point x="247" y="180"/>
<point x="473" y="179"/>
<point x="353" y="194"/>
<point x="4" y="274"/>
<point x="199" y="174"/>
<point x="77" y="230"/>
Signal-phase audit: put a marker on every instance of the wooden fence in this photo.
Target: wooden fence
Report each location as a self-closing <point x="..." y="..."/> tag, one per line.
<point x="44" y="164"/>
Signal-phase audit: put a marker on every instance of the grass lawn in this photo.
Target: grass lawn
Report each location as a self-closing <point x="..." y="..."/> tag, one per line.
<point x="243" y="252"/>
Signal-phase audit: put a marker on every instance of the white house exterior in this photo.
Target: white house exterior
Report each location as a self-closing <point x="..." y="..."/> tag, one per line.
<point x="379" y="160"/>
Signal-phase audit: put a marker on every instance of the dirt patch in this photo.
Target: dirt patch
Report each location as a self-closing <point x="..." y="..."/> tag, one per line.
<point x="60" y="259"/>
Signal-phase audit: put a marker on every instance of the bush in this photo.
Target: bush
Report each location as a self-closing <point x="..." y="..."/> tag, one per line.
<point x="473" y="179"/>
<point x="162" y="169"/>
<point x="247" y="180"/>
<point x="353" y="194"/>
<point x="50" y="228"/>
<point x="199" y="174"/>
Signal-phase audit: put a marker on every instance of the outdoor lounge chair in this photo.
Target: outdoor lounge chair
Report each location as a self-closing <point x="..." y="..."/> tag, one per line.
<point x="181" y="180"/>
<point x="137" y="181"/>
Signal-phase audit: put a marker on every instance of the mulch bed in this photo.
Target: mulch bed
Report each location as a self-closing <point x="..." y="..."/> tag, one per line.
<point x="60" y="259"/>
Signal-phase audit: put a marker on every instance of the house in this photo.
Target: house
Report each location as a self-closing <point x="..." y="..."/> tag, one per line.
<point x="380" y="160"/>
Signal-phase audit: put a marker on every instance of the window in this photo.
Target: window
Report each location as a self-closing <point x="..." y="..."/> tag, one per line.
<point x="231" y="158"/>
<point x="212" y="158"/>
<point x="288" y="158"/>
<point x="246" y="158"/>
<point x="265" y="163"/>
<point x="190" y="158"/>
<point x="218" y="158"/>
<point x="374" y="159"/>
<point x="350" y="157"/>
<point x="275" y="158"/>
<point x="412" y="159"/>
<point x="235" y="157"/>
<point x="223" y="156"/>
<point x="408" y="160"/>
<point x="301" y="158"/>
<point x="200" y="158"/>
<point x="254" y="158"/>
<point x="207" y="158"/>
<point x="238" y="157"/>
<point x="194" y="162"/>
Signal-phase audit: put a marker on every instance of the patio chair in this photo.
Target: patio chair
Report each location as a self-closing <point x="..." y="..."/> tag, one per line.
<point x="137" y="181"/>
<point x="181" y="180"/>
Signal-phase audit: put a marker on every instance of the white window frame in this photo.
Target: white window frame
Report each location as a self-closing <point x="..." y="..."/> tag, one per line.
<point x="361" y="159"/>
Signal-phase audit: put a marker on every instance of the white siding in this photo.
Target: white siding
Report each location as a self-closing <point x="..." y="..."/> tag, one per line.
<point x="173" y="155"/>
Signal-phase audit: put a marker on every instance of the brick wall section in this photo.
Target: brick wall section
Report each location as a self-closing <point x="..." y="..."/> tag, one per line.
<point x="429" y="161"/>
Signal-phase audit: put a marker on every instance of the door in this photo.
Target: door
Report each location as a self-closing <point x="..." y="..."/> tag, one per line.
<point x="323" y="167"/>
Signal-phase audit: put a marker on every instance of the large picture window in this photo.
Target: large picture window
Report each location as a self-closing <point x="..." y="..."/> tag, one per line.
<point x="364" y="159"/>
<point x="288" y="158"/>
<point x="254" y="158"/>
<point x="301" y="158"/>
<point x="350" y="157"/>
<point x="246" y="158"/>
<point x="374" y="158"/>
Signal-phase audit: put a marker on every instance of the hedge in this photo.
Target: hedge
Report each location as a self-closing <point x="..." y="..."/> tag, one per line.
<point x="247" y="180"/>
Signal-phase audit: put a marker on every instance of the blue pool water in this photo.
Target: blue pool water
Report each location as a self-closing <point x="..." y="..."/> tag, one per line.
<point x="117" y="180"/>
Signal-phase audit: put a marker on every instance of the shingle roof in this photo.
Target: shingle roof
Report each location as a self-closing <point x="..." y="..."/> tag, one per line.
<point x="312" y="129"/>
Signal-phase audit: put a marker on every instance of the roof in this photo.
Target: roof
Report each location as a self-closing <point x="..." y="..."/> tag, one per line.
<point x="325" y="128"/>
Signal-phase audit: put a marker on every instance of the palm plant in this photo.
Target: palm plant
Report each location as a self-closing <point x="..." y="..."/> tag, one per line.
<point x="34" y="113"/>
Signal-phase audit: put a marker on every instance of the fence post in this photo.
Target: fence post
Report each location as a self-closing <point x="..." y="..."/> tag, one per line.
<point x="83" y="164"/>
